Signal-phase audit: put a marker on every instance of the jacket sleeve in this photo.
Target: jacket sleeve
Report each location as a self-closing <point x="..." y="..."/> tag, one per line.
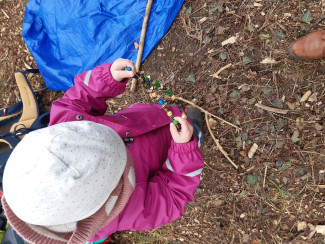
<point x="163" y="198"/>
<point x="89" y="94"/>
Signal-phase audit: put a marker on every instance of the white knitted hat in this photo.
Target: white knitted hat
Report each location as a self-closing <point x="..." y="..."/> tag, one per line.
<point x="63" y="173"/>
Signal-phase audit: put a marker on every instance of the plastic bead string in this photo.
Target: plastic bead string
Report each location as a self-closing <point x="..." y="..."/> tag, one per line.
<point x="161" y="102"/>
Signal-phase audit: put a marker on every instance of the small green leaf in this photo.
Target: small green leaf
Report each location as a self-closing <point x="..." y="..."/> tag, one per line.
<point x="191" y="78"/>
<point x="251" y="101"/>
<point x="299" y="172"/>
<point x="307" y="17"/>
<point x="280" y="124"/>
<point x="279" y="35"/>
<point x="223" y="56"/>
<point x="286" y="165"/>
<point x="278" y="103"/>
<point x="246" y="60"/>
<point x="234" y="95"/>
<point x="244" y="136"/>
<point x="266" y="90"/>
<point x="250" y="28"/>
<point x="252" y="179"/>
<point x="264" y="36"/>
<point x="295" y="136"/>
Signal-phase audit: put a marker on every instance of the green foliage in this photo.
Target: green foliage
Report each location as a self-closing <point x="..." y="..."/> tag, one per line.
<point x="307" y="17"/>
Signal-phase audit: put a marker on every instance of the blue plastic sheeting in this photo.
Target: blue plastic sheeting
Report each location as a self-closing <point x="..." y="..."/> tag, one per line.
<point x="68" y="37"/>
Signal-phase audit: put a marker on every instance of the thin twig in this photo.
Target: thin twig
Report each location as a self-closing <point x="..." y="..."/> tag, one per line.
<point x="264" y="176"/>
<point x="216" y="75"/>
<point x="206" y="112"/>
<point x="217" y="142"/>
<point x="271" y="109"/>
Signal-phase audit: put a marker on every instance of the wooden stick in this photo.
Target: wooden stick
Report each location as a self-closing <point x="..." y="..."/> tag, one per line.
<point x="270" y="109"/>
<point x="217" y="142"/>
<point x="141" y="44"/>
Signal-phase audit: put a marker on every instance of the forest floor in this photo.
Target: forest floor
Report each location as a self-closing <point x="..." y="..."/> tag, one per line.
<point x="276" y="195"/>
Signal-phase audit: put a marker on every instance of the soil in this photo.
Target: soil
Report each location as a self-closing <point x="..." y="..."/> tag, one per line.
<point x="275" y="196"/>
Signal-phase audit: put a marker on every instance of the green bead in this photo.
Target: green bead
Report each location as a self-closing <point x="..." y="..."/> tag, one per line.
<point x="175" y="122"/>
<point x="157" y="84"/>
<point x="146" y="78"/>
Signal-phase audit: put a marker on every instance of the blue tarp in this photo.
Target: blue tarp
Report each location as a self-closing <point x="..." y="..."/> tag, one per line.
<point x="67" y="37"/>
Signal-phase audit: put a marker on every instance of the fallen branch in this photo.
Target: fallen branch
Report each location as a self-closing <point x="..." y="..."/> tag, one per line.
<point x="206" y="112"/>
<point x="141" y="44"/>
<point x="218" y="144"/>
<point x="271" y="109"/>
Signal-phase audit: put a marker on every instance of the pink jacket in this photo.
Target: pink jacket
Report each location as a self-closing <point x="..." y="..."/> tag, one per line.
<point x="167" y="173"/>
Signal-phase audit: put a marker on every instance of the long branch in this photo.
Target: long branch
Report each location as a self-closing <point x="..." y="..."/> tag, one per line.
<point x="207" y="112"/>
<point x="218" y="144"/>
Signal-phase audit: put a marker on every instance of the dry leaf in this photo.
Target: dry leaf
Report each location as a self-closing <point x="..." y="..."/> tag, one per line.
<point x="252" y="151"/>
<point x="230" y="40"/>
<point x="305" y="96"/>
<point x="301" y="226"/>
<point x="27" y="66"/>
<point x="291" y="105"/>
<point x="136" y="45"/>
<point x="313" y="97"/>
<point x="320" y="229"/>
<point x="268" y="61"/>
<point x="201" y="21"/>
<point x="244" y="87"/>
<point x="257" y="5"/>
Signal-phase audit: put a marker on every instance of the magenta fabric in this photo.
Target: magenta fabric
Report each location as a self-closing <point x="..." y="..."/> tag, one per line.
<point x="161" y="192"/>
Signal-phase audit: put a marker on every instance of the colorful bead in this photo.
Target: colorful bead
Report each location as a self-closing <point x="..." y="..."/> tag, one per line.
<point x="128" y="68"/>
<point x="146" y="78"/>
<point x="175" y="122"/>
<point x="173" y="98"/>
<point x="161" y="102"/>
<point x="169" y="113"/>
<point x="157" y="84"/>
<point x="168" y="92"/>
<point x="184" y="115"/>
<point x="154" y="94"/>
<point x="165" y="109"/>
<point x="152" y="81"/>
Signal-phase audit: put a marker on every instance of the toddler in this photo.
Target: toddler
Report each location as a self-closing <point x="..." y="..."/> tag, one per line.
<point x="89" y="175"/>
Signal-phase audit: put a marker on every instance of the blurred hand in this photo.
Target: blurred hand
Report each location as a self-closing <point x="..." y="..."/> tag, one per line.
<point x="185" y="134"/>
<point x="118" y="69"/>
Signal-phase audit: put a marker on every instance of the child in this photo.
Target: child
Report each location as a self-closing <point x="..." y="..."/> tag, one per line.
<point x="89" y="175"/>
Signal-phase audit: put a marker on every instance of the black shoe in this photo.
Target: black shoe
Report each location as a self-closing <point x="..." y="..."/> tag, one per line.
<point x="195" y="116"/>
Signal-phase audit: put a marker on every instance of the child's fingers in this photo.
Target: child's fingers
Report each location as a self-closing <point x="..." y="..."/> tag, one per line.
<point x="123" y="63"/>
<point x="118" y="69"/>
<point x="185" y="134"/>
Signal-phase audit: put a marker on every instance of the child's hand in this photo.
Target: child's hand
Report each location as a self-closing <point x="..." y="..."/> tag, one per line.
<point x="118" y="72"/>
<point x="185" y="134"/>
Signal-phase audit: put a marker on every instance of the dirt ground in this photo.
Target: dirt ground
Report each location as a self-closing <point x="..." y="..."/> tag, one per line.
<point x="275" y="196"/>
